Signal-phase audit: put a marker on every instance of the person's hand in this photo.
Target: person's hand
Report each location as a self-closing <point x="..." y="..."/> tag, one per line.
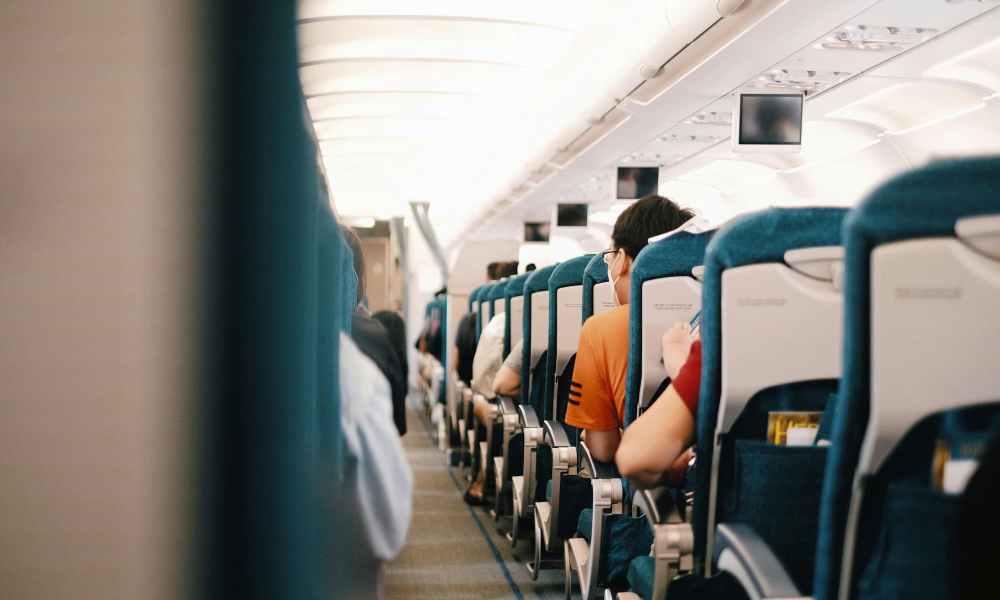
<point x="676" y="346"/>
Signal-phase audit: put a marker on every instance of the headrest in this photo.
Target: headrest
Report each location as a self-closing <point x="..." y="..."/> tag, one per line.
<point x="569" y="272"/>
<point x="596" y="272"/>
<point x="485" y="291"/>
<point x="764" y="236"/>
<point x="515" y="285"/>
<point x="497" y="291"/>
<point x="670" y="257"/>
<point x="474" y="296"/>
<point x="926" y="202"/>
<point x="538" y="280"/>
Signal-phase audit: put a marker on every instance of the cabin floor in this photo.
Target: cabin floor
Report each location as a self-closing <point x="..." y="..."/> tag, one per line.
<point x="454" y="551"/>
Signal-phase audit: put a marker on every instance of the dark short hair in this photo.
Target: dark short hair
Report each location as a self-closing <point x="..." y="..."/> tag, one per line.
<point x="529" y="267"/>
<point x="646" y="218"/>
<point x="507" y="269"/>
<point x="491" y="271"/>
<point x="354" y="242"/>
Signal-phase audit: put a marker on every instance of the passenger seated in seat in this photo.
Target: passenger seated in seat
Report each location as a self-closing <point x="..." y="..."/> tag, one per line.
<point x="652" y="451"/>
<point x="373" y="339"/>
<point x="486" y="363"/>
<point x="597" y="392"/>
<point x="464" y="348"/>
<point x="508" y="379"/>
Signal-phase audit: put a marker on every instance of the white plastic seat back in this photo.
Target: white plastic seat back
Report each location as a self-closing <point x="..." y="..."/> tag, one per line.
<point x="604" y="298"/>
<point x="539" y="326"/>
<point x="935" y="335"/>
<point x="779" y="325"/>
<point x="665" y="301"/>
<point x="516" y="320"/>
<point x="569" y="317"/>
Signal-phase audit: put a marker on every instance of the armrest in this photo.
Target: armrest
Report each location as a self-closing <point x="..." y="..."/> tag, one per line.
<point x="506" y="405"/>
<point x="529" y="419"/>
<point x="739" y="550"/>
<point x="556" y="434"/>
<point x="659" y="506"/>
<point x="598" y="470"/>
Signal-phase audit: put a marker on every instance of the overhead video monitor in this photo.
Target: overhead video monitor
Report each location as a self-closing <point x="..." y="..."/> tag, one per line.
<point x="768" y="122"/>
<point x="571" y="215"/>
<point x="637" y="182"/>
<point x="537" y="231"/>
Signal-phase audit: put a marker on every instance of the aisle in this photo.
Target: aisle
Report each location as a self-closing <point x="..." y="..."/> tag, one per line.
<point x="452" y="551"/>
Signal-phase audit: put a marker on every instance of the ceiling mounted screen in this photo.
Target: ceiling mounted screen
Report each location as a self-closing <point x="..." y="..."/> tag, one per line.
<point x="768" y="121"/>
<point x="537" y="231"/>
<point x="571" y="215"/>
<point x="637" y="182"/>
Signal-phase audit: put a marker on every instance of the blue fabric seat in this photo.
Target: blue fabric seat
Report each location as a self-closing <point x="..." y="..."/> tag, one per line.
<point x="482" y="310"/>
<point x="567" y="274"/>
<point x="537" y="281"/>
<point x="896" y="553"/>
<point x="278" y="291"/>
<point x="674" y="256"/>
<point x="585" y="523"/>
<point x="640" y="576"/>
<point x="756" y="480"/>
<point x="595" y="272"/>
<point x="496" y="294"/>
<point x="514" y="289"/>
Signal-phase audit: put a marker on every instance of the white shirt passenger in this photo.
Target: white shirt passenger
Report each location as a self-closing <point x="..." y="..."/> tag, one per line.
<point x="377" y="475"/>
<point x="488" y="357"/>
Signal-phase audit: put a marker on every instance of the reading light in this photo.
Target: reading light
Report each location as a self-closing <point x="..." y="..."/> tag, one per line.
<point x="876" y="38"/>
<point x="711" y="118"/>
<point x="809" y="80"/>
<point x="691" y="139"/>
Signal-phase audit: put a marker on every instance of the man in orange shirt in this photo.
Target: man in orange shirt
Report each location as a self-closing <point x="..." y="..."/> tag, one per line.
<point x="597" y="392"/>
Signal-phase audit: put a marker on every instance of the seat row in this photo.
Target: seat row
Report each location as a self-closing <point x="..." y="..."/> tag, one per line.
<point x="845" y="354"/>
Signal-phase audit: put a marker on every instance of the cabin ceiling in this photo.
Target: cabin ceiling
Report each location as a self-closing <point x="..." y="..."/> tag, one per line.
<point x="448" y="101"/>
<point x="470" y="105"/>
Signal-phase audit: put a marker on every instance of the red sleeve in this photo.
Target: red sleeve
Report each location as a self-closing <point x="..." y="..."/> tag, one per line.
<point x="688" y="380"/>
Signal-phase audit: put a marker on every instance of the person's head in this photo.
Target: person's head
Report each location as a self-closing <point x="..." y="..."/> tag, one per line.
<point x="359" y="259"/>
<point x="491" y="271"/>
<point x="528" y="268"/>
<point x="396" y="329"/>
<point x="646" y="218"/>
<point x="507" y="269"/>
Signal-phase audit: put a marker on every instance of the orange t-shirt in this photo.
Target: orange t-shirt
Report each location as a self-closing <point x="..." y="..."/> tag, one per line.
<point x="597" y="393"/>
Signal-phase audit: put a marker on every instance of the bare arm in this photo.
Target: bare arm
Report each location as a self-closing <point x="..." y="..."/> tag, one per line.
<point x="507" y="382"/>
<point x="654" y="442"/>
<point x="603" y="444"/>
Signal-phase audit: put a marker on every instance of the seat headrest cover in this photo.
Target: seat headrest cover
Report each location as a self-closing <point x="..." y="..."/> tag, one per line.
<point x="922" y="203"/>
<point x="497" y="291"/>
<point x="515" y="285"/>
<point x="596" y="272"/>
<point x="569" y="272"/>
<point x="758" y="237"/>
<point x="670" y="257"/>
<point x="538" y="279"/>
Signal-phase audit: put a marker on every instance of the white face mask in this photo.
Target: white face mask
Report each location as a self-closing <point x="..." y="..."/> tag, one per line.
<point x="614" y="284"/>
<point x="614" y="290"/>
